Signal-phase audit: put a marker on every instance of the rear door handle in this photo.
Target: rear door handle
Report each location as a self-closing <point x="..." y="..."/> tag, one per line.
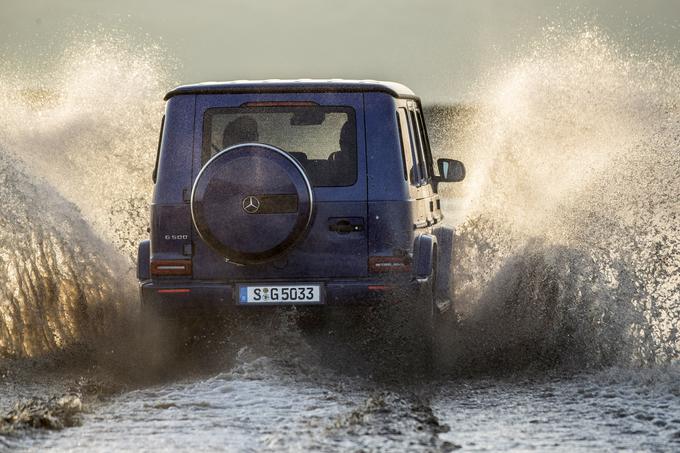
<point x="346" y="225"/>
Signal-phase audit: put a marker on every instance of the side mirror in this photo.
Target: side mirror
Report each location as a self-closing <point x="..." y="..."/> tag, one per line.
<point x="450" y="170"/>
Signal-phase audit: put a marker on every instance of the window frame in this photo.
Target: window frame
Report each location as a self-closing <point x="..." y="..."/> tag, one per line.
<point x="154" y="174"/>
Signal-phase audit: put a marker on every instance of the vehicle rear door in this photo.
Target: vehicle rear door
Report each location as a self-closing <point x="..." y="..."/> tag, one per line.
<point x="335" y="244"/>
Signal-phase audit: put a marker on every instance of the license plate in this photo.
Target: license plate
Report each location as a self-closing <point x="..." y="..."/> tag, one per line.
<point x="279" y="294"/>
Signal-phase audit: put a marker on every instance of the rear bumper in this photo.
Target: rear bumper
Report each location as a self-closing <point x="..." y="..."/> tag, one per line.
<point x="174" y="296"/>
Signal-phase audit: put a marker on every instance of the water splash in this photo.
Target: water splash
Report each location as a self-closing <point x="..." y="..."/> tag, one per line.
<point x="570" y="251"/>
<point x="76" y="148"/>
<point x="89" y="128"/>
<point x="58" y="277"/>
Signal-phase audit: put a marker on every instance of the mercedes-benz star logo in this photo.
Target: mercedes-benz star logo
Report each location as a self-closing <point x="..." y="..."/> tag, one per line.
<point x="251" y="204"/>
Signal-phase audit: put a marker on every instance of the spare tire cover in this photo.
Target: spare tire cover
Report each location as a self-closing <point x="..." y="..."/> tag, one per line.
<point x="251" y="202"/>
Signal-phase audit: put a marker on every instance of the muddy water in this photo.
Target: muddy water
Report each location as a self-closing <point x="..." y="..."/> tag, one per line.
<point x="261" y="403"/>
<point x="568" y="275"/>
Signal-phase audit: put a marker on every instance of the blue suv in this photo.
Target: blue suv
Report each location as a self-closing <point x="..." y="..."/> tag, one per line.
<point x="314" y="193"/>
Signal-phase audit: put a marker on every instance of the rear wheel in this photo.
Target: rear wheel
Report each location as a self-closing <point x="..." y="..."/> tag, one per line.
<point x="429" y="320"/>
<point x="437" y="323"/>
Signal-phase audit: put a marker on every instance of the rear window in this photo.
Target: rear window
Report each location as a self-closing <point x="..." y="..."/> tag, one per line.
<point x="322" y="138"/>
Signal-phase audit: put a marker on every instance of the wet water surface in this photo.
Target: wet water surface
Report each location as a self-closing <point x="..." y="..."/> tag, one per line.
<point x="264" y="404"/>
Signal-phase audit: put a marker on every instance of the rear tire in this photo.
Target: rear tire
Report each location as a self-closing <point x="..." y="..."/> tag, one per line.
<point x="437" y="326"/>
<point x="428" y="320"/>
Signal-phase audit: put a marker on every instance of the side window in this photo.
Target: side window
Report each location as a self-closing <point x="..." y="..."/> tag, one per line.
<point x="417" y="171"/>
<point x="419" y="146"/>
<point x="426" y="143"/>
<point x="406" y="149"/>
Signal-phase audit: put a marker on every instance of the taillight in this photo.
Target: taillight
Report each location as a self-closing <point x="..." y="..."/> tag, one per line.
<point x="171" y="267"/>
<point x="378" y="264"/>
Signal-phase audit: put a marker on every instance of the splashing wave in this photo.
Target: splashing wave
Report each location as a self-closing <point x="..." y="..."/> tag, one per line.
<point x="76" y="146"/>
<point x="570" y="251"/>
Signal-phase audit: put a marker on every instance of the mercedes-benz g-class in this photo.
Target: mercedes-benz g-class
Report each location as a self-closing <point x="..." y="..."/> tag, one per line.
<point x="307" y="192"/>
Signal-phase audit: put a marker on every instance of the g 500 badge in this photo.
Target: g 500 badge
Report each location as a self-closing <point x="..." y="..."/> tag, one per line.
<point x="176" y="237"/>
